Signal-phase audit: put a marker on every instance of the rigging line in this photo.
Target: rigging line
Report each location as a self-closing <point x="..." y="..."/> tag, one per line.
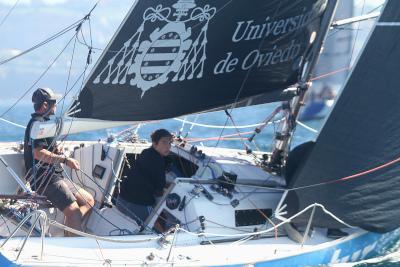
<point x="102" y="238"/>
<point x="273" y="17"/>
<point x="72" y="107"/>
<point x="108" y="194"/>
<point x="101" y="252"/>
<point x="50" y="166"/>
<point x="90" y="30"/>
<point x="265" y="216"/>
<point x="55" y="36"/>
<point x="40" y="163"/>
<point x="191" y="126"/>
<point x="206" y="234"/>
<point x="216" y="145"/>
<point x="37" y="80"/>
<point x="182" y="126"/>
<point x="385" y="165"/>
<point x="69" y="74"/>
<point x="81" y="76"/>
<point x="92" y="207"/>
<point x="84" y="39"/>
<point x="330" y="73"/>
<point x="76" y="25"/>
<point x="8" y="13"/>
<point x="374" y="9"/>
<point x="193" y="139"/>
<point x="241" y="86"/>
<point x="88" y="61"/>
<point x="355" y="38"/>
<point x="13" y="123"/>
<point x="352" y="176"/>
<point x="246" y="147"/>
<point x="338" y="29"/>
<point x="306" y="127"/>
<point x="224" y="126"/>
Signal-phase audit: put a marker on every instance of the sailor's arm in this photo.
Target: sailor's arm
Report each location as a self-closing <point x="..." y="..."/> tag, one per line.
<point x="47" y="156"/>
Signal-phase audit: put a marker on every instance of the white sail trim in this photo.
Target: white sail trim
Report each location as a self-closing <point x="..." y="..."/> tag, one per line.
<point x="388" y="24"/>
<point x="71" y="126"/>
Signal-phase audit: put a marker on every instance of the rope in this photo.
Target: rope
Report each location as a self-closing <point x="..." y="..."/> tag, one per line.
<point x="218" y="126"/>
<point x="350" y="176"/>
<point x="13" y="123"/>
<point x="202" y="234"/>
<point x="76" y="25"/>
<point x="51" y="38"/>
<point x="38" y="79"/>
<point x="306" y="127"/>
<point x="385" y="165"/>
<point x="233" y="127"/>
<point x="69" y="74"/>
<point x="227" y="137"/>
<point x="271" y="228"/>
<point x="356" y="37"/>
<point x="101" y="238"/>
<point x="329" y="73"/>
<point x="243" y="140"/>
<point x="8" y="13"/>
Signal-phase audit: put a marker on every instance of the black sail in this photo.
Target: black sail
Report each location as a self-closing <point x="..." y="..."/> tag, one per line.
<point x="175" y="57"/>
<point x="361" y="134"/>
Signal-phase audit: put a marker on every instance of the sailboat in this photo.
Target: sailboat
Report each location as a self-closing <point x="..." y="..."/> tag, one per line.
<point x="224" y="207"/>
<point x="335" y="59"/>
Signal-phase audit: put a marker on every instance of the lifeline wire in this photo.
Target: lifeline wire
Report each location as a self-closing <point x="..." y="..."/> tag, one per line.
<point x="8" y="13"/>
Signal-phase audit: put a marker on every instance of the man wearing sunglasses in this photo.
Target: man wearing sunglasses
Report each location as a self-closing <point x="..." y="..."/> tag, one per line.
<point x="42" y="162"/>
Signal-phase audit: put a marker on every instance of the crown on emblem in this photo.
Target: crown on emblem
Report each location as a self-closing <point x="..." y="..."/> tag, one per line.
<point x="173" y="50"/>
<point x="182" y="7"/>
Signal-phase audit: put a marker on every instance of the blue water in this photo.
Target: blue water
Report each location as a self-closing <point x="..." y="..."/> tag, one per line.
<point x="242" y="116"/>
<point x="20" y="114"/>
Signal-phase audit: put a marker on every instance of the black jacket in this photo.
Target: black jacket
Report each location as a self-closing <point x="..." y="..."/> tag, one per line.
<point x="146" y="177"/>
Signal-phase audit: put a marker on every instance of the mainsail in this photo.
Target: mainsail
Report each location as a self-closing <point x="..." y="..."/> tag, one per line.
<point x="361" y="136"/>
<point x="176" y="57"/>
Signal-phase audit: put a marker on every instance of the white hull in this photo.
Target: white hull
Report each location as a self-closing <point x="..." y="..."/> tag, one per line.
<point x="225" y="238"/>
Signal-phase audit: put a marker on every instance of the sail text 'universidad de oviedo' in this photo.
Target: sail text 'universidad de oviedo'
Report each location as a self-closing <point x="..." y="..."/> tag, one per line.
<point x="250" y="31"/>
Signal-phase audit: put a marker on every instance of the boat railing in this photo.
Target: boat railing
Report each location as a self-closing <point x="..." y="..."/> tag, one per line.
<point x="242" y="237"/>
<point x="39" y="215"/>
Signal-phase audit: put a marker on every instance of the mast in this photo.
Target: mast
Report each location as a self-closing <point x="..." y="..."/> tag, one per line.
<point x="282" y="140"/>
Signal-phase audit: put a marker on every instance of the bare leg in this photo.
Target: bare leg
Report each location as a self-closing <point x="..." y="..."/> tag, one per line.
<point x="73" y="217"/>
<point x="86" y="203"/>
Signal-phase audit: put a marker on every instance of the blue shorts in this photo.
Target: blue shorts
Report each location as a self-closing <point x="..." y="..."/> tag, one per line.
<point x="137" y="212"/>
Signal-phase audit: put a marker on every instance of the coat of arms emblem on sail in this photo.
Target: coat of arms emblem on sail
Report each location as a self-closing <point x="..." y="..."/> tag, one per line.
<point x="172" y="51"/>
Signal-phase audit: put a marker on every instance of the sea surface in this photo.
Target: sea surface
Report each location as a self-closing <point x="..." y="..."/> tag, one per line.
<point x="20" y="115"/>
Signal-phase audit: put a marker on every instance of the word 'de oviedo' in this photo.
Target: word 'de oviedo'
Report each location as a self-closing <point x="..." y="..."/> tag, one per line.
<point x="256" y="58"/>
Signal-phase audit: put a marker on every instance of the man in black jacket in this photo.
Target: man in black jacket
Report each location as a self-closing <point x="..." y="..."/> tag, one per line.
<point x="42" y="163"/>
<point x="146" y="180"/>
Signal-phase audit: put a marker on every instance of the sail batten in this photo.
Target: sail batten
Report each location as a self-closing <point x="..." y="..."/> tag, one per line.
<point x="171" y="59"/>
<point x="361" y="134"/>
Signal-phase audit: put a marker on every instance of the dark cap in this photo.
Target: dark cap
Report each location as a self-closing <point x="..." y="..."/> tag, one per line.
<point x="44" y="94"/>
